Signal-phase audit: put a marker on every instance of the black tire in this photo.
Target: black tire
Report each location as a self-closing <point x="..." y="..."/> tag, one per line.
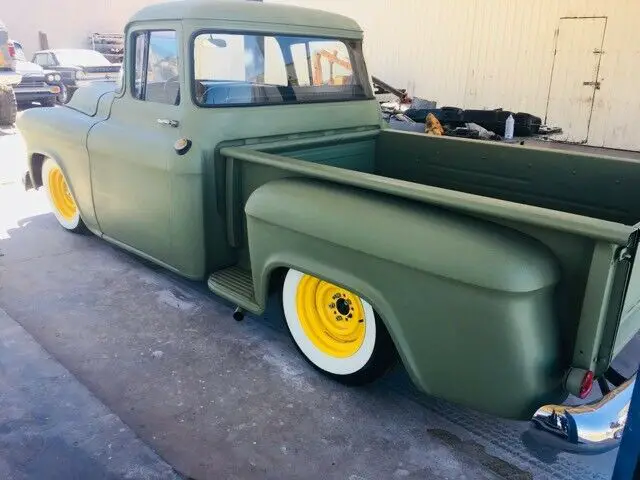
<point x="381" y="359"/>
<point x="8" y="106"/>
<point x="63" y="97"/>
<point x="48" y="102"/>
<point x="69" y="94"/>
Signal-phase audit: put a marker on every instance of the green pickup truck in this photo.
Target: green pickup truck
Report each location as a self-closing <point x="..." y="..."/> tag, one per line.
<point x="244" y="147"/>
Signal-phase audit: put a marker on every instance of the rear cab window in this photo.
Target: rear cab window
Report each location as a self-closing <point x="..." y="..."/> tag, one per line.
<point x="251" y="69"/>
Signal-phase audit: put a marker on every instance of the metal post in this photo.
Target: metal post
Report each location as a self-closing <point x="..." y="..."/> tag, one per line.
<point x="628" y="461"/>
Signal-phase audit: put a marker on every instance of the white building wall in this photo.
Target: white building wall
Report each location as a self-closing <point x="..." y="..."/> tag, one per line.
<point x="499" y="53"/>
<point x="467" y="53"/>
<point x="67" y="23"/>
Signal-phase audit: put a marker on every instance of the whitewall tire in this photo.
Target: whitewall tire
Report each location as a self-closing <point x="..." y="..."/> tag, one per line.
<point x="60" y="198"/>
<point x="335" y="330"/>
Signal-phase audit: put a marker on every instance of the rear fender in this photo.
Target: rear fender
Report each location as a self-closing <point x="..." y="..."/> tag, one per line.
<point x="468" y="304"/>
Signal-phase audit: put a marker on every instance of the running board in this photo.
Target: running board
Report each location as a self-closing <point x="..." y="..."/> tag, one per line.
<point x="236" y="285"/>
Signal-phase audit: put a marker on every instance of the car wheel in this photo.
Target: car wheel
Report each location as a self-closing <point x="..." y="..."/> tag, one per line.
<point x="62" y="202"/>
<point x="336" y="330"/>
<point x="63" y="96"/>
<point x="8" y="106"/>
<point x="48" y="102"/>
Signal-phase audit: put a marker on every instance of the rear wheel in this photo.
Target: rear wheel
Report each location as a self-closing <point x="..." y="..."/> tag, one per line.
<point x="336" y="330"/>
<point x="62" y="202"/>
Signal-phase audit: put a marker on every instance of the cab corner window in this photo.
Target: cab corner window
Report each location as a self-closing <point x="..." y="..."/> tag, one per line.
<point x="156" y="75"/>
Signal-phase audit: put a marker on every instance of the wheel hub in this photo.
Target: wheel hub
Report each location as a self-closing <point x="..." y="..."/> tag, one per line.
<point x="60" y="194"/>
<point x="331" y="317"/>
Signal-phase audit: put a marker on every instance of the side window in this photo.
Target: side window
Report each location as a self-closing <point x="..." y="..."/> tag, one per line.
<point x="156" y="74"/>
<point x="40" y="59"/>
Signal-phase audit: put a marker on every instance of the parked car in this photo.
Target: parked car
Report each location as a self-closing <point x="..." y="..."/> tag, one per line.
<point x="37" y="84"/>
<point x="78" y="67"/>
<point x="504" y="277"/>
<point x="8" y="78"/>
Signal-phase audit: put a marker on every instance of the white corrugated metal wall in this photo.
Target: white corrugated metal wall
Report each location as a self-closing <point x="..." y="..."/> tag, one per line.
<point x="499" y="53"/>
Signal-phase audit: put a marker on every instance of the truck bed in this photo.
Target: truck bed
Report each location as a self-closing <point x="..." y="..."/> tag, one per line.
<point x="584" y="208"/>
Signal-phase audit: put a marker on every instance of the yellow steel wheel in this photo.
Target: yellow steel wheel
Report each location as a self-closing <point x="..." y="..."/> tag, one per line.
<point x="62" y="202"/>
<point x="335" y="329"/>
<point x="60" y="195"/>
<point x="332" y="317"/>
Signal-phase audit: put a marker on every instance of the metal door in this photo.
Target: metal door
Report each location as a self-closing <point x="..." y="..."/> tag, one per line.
<point x="575" y="76"/>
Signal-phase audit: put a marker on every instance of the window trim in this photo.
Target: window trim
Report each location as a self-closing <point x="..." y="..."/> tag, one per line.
<point x="145" y="62"/>
<point x="369" y="95"/>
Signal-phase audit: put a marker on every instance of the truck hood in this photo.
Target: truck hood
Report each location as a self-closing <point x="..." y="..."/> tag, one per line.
<point x="86" y="99"/>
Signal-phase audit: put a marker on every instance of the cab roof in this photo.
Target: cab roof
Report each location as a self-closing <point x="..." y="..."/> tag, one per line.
<point x="246" y="12"/>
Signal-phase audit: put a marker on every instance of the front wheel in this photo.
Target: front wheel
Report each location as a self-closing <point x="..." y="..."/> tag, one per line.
<point x="62" y="202"/>
<point x="63" y="97"/>
<point x="48" y="102"/>
<point x="336" y="330"/>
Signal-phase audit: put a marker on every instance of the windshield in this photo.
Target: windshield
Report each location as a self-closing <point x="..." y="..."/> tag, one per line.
<point x="81" y="57"/>
<point x="19" y="52"/>
<point x="239" y="69"/>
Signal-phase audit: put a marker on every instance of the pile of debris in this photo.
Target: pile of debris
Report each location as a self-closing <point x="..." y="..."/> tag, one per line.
<point x="111" y="45"/>
<point x="420" y="115"/>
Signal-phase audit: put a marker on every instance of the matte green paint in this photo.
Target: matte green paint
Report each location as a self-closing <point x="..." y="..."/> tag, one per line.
<point x="412" y="262"/>
<point x="492" y="266"/>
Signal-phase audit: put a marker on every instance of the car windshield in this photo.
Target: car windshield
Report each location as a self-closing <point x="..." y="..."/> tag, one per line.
<point x="19" y="52"/>
<point x="241" y="69"/>
<point x="81" y="57"/>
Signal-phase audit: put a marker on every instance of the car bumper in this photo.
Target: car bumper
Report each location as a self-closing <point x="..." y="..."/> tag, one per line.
<point x="589" y="428"/>
<point x="34" y="94"/>
<point x="9" y="77"/>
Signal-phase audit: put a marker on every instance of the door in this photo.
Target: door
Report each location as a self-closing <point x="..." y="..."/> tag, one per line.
<point x="131" y="152"/>
<point x="575" y="76"/>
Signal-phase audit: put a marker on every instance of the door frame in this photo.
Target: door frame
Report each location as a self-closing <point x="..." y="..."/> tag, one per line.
<point x="599" y="52"/>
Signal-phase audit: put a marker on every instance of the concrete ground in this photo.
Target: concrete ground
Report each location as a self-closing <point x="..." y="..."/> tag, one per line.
<point x="216" y="399"/>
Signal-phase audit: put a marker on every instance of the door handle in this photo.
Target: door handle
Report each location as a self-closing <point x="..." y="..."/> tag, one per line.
<point x="592" y="84"/>
<point x="168" y="123"/>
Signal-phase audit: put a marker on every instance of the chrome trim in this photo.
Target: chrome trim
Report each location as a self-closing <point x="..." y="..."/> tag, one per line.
<point x="44" y="90"/>
<point x="587" y="427"/>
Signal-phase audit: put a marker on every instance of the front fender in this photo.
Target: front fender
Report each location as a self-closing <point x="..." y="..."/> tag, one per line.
<point x="468" y="303"/>
<point x="60" y="133"/>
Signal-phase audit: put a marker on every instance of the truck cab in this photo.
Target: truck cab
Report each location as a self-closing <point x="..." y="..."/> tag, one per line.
<point x="244" y="147"/>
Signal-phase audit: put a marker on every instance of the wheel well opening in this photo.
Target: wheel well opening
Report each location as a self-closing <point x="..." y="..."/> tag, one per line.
<point x="276" y="280"/>
<point x="37" y="159"/>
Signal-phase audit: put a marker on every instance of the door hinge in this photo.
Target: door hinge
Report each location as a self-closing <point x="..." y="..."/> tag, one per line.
<point x="592" y="84"/>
